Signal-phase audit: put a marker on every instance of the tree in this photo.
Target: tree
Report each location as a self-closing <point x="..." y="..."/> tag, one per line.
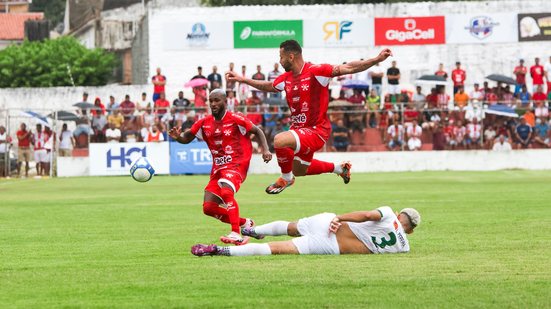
<point x="54" y="10"/>
<point x="48" y="63"/>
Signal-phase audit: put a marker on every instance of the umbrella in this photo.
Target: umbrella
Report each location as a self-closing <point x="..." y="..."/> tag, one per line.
<point x="501" y="79"/>
<point x="336" y="103"/>
<point x="39" y="118"/>
<point x="198" y="82"/>
<point x="432" y="80"/>
<point x="501" y="110"/>
<point x="355" y="84"/>
<point x="64" y="115"/>
<point x="85" y="105"/>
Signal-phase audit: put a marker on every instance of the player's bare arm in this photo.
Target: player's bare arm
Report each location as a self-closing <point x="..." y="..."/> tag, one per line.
<point x="261" y="140"/>
<point x="261" y="85"/>
<point x="357" y="216"/>
<point x="183" y="138"/>
<point x="360" y="65"/>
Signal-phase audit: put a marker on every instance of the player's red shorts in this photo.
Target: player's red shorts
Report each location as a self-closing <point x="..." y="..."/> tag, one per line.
<point x="225" y="176"/>
<point x="308" y="142"/>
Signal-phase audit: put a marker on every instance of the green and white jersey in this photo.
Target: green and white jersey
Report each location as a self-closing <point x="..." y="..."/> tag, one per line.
<point x="385" y="236"/>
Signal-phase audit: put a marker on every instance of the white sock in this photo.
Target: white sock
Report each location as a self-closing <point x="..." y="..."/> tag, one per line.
<point x="275" y="228"/>
<point x="250" y="249"/>
<point x="287" y="176"/>
<point x="338" y="169"/>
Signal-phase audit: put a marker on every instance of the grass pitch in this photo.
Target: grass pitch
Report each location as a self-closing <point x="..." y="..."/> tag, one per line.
<point x="485" y="241"/>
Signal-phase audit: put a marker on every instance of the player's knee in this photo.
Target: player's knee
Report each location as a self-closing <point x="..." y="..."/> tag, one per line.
<point x="281" y="140"/>
<point x="209" y="208"/>
<point x="226" y="194"/>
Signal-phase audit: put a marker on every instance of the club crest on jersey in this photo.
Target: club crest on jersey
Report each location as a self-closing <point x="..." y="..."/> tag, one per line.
<point x="304" y="87"/>
<point x="227" y="132"/>
<point x="217" y="131"/>
<point x="228" y="149"/>
<point x="304" y="107"/>
<point x="295" y="87"/>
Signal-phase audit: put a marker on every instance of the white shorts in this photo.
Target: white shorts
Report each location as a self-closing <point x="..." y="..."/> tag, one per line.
<point x="393" y="89"/>
<point x="316" y="238"/>
<point x="414" y="143"/>
<point x="41" y="155"/>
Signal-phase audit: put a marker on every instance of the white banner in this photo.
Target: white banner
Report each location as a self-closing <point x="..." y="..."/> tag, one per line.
<point x="116" y="158"/>
<point x="483" y="28"/>
<point x="338" y="32"/>
<point x="198" y="35"/>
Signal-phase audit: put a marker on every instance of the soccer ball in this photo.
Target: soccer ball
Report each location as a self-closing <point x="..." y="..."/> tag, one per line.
<point x="142" y="170"/>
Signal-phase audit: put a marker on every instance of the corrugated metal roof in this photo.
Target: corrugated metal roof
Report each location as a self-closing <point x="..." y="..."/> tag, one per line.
<point x="12" y="25"/>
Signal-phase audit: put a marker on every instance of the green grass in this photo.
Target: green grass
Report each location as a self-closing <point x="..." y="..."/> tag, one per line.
<point x="485" y="241"/>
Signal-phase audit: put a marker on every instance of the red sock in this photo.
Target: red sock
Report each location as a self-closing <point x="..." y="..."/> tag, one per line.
<point x="319" y="167"/>
<point x="232" y="208"/>
<point x="214" y="210"/>
<point x="285" y="158"/>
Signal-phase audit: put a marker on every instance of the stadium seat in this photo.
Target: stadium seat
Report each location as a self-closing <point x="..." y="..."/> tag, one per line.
<point x="373" y="137"/>
<point x="427" y="146"/>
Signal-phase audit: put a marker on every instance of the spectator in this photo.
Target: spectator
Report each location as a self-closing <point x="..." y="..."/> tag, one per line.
<point x="271" y="77"/>
<point x="541" y="110"/>
<point x="99" y="107"/>
<point x="441" y="71"/>
<point x="130" y="131"/>
<point x="458" y="77"/>
<point x="215" y="79"/>
<point x="523" y="134"/>
<point x="112" y="106"/>
<point x="542" y="132"/>
<point x="502" y="145"/>
<point x="39" y="138"/>
<point x="259" y="76"/>
<point x="148" y="118"/>
<point x="23" y="148"/>
<point x="474" y="132"/>
<point x="162" y="106"/>
<point x="393" y="76"/>
<point x="410" y="114"/>
<point x="199" y="73"/>
<point x="113" y="134"/>
<point x="459" y="133"/>
<point x="432" y="99"/>
<point x="174" y="118"/>
<point x="507" y="96"/>
<point x="442" y="99"/>
<point x="231" y="85"/>
<point x="116" y="119"/>
<point x="82" y="131"/>
<point x="419" y="99"/>
<point x="271" y="118"/>
<point x="395" y="136"/>
<point x="231" y="101"/>
<point x="356" y="120"/>
<point x="84" y="97"/>
<point x="414" y="132"/>
<point x="438" y="137"/>
<point x="530" y="118"/>
<point x="524" y="97"/>
<point x="99" y="125"/>
<point x="154" y="134"/>
<point x="243" y="89"/>
<point x="5" y="144"/>
<point x="49" y="145"/>
<point x="159" y="82"/>
<point x="127" y="108"/>
<point x="489" y="136"/>
<point x="520" y="74"/>
<point x="357" y="97"/>
<point x="373" y="106"/>
<point x="254" y="100"/>
<point x="66" y="141"/>
<point x="180" y="102"/>
<point x="461" y="98"/>
<point x="491" y="97"/>
<point x="539" y="96"/>
<point x="341" y="137"/>
<point x="376" y="73"/>
<point x="547" y="69"/>
<point x="477" y="93"/>
<point x="200" y="99"/>
<point x="536" y="72"/>
<point x="253" y="113"/>
<point x="142" y="103"/>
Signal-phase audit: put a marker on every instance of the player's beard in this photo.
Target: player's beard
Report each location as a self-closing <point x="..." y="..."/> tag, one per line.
<point x="219" y="113"/>
<point x="287" y="66"/>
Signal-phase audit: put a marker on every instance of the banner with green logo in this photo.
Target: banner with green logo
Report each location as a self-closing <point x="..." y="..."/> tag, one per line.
<point x="265" y="33"/>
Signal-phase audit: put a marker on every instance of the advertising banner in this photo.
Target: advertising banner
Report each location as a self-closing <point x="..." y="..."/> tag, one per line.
<point x="265" y="33"/>
<point x="116" y="158"/>
<point x="534" y="27"/>
<point x="192" y="158"/>
<point x="410" y="30"/>
<point x="484" y="28"/>
<point x="197" y="35"/>
<point x="344" y="32"/>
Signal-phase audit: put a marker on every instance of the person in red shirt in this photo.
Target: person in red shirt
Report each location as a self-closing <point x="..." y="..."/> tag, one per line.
<point x="306" y="86"/>
<point x="520" y="73"/>
<point x="441" y="71"/>
<point x="161" y="106"/>
<point x="159" y="82"/>
<point x="539" y="95"/>
<point x="23" y="148"/>
<point x="100" y="108"/>
<point x="127" y="108"/>
<point x="536" y="71"/>
<point x="227" y="136"/>
<point x="458" y="77"/>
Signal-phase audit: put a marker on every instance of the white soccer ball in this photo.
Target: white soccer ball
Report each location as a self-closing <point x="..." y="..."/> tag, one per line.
<point x="142" y="170"/>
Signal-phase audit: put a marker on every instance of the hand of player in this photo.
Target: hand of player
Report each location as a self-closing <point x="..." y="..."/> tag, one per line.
<point x="175" y="132"/>
<point x="385" y="53"/>
<point x="266" y="156"/>
<point x="233" y="77"/>
<point x="334" y="225"/>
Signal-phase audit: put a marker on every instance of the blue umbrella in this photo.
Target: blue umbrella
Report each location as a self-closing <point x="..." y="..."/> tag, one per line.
<point x="355" y="84"/>
<point x="39" y="118"/>
<point x="501" y="110"/>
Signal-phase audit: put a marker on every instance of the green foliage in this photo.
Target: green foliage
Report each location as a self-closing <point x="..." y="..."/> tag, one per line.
<point x="54" y="10"/>
<point x="44" y="64"/>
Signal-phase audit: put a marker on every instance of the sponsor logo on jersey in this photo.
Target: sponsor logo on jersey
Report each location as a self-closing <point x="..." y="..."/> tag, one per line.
<point x="296" y="99"/>
<point x="228" y="149"/>
<point x="299" y="119"/>
<point x="401" y="239"/>
<point x="218" y="142"/>
<point x="304" y="107"/>
<point x="305" y="79"/>
<point x="295" y="87"/>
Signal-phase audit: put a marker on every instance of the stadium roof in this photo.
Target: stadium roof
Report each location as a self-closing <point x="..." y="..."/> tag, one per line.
<point x="12" y="25"/>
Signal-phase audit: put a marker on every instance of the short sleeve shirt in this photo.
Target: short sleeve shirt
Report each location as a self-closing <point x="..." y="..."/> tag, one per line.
<point x="536" y="71"/>
<point x="393" y="71"/>
<point x="157" y="88"/>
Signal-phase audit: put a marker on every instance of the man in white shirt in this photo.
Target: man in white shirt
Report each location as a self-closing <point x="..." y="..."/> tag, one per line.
<point x="474" y="131"/>
<point x="502" y="145"/>
<point x="477" y="93"/>
<point x="113" y="134"/>
<point x="66" y="141"/>
<point x="378" y="231"/>
<point x="395" y="136"/>
<point x="414" y="132"/>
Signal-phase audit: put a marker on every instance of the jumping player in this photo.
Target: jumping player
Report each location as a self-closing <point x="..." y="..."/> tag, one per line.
<point x="360" y="232"/>
<point x="227" y="136"/>
<point x="306" y="87"/>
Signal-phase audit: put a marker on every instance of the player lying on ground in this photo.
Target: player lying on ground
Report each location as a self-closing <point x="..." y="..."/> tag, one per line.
<point x="306" y="87"/>
<point x="227" y="136"/>
<point x="361" y="232"/>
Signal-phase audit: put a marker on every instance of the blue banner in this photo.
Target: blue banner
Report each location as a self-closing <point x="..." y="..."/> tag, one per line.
<point x="192" y="158"/>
